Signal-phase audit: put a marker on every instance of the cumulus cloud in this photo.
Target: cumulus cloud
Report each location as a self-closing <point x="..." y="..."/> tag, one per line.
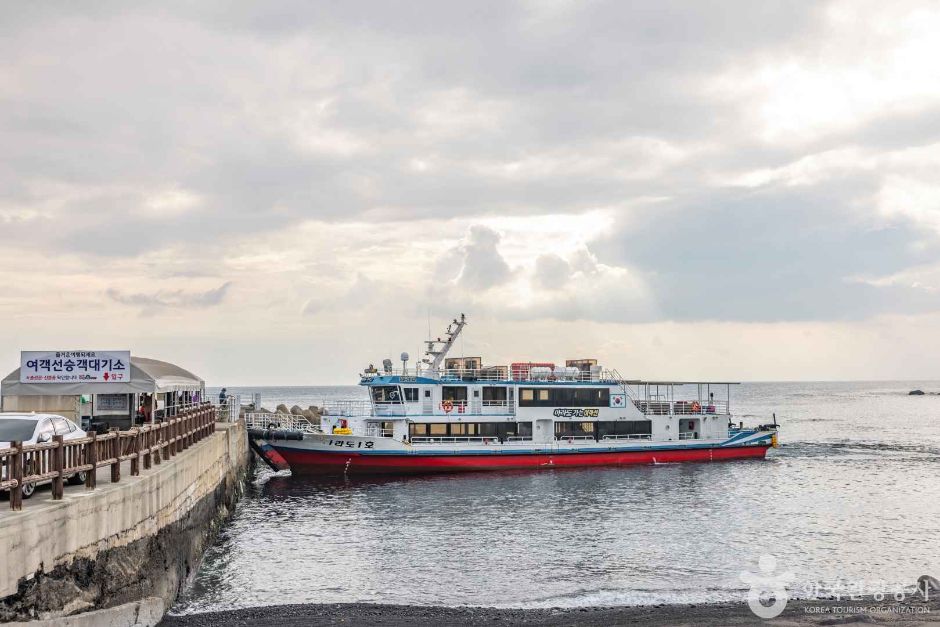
<point x="477" y="261"/>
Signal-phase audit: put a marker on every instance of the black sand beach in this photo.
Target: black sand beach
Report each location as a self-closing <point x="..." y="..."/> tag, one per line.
<point x="828" y="612"/>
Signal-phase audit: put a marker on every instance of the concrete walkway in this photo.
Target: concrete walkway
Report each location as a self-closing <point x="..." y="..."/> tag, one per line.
<point x="42" y="498"/>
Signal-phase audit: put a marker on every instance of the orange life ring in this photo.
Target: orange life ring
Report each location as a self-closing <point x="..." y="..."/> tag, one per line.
<point x="447" y="406"/>
<point x="696" y="407"/>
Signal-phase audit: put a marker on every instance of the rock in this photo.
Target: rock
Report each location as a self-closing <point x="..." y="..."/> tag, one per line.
<point x="311" y="416"/>
<point x="916" y="393"/>
<point x="296" y="410"/>
<point x="265" y="410"/>
<point x="314" y="409"/>
<point x="282" y="409"/>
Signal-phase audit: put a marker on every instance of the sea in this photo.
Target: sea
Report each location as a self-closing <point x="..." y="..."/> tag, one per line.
<point x="849" y="503"/>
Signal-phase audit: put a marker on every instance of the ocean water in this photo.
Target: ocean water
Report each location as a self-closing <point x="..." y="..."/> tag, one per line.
<point x="851" y="501"/>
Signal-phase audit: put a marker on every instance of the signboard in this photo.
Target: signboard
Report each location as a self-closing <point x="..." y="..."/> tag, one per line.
<point x="111" y="402"/>
<point x="75" y="366"/>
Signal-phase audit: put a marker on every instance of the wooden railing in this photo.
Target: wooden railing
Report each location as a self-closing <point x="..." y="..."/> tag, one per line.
<point x="60" y="459"/>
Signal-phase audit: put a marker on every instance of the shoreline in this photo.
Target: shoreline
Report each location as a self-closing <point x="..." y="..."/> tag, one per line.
<point x="912" y="610"/>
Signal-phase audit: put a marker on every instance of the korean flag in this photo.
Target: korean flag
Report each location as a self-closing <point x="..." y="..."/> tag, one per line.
<point x="618" y="400"/>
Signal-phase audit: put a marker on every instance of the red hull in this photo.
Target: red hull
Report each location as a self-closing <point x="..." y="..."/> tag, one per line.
<point x="303" y="461"/>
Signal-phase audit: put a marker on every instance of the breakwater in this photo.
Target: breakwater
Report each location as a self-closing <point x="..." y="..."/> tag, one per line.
<point x="121" y="542"/>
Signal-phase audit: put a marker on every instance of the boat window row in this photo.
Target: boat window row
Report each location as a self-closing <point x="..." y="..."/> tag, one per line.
<point x="626" y="429"/>
<point x="564" y="397"/>
<point x="501" y="430"/>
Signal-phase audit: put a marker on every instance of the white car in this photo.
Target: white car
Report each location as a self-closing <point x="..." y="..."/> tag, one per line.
<point x="37" y="429"/>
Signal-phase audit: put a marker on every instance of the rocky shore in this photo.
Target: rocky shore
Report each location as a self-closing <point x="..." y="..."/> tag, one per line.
<point x="912" y="610"/>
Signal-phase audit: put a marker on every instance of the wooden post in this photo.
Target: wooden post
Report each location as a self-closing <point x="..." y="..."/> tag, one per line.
<point x="16" y="473"/>
<point x="91" y="457"/>
<point x="116" y="456"/>
<point x="135" y="451"/>
<point x="58" y="463"/>
<point x="157" y="441"/>
<point x="148" y="455"/>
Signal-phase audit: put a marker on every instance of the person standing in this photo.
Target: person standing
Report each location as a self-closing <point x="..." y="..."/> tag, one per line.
<point x="222" y="396"/>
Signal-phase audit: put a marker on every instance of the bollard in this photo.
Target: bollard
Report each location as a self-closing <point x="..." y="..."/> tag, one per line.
<point x="116" y="456"/>
<point x="58" y="463"/>
<point x="16" y="473"/>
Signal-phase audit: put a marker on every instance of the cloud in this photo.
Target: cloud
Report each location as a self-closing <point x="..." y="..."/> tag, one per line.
<point x="477" y="260"/>
<point x="551" y="272"/>
<point x="608" y="163"/>
<point x="170" y="299"/>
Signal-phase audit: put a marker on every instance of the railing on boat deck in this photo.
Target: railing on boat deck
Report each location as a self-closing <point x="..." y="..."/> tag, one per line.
<point x="682" y="408"/>
<point x="628" y="436"/>
<point x="376" y="432"/>
<point x="688" y="436"/>
<point x="574" y="438"/>
<point x="288" y="422"/>
<point x="495" y="373"/>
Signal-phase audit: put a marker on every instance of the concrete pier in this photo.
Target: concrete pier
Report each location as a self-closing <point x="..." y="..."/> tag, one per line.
<point x="122" y="542"/>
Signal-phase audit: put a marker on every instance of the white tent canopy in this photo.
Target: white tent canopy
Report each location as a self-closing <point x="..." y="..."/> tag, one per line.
<point x="148" y="376"/>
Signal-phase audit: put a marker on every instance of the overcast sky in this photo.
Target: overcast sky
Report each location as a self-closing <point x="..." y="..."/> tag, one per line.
<point x="281" y="193"/>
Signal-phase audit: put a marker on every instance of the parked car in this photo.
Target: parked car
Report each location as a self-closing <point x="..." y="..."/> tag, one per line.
<point x="37" y="429"/>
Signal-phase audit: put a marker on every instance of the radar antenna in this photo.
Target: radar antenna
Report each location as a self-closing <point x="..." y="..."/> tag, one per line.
<point x="437" y="349"/>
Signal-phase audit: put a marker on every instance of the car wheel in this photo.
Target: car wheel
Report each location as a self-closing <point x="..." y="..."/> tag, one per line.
<point x="28" y="490"/>
<point x="77" y="479"/>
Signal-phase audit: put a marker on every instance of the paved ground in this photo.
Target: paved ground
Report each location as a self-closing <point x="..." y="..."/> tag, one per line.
<point x="797" y="613"/>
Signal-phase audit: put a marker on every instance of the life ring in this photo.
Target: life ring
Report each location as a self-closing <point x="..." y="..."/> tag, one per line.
<point x="696" y="407"/>
<point x="447" y="406"/>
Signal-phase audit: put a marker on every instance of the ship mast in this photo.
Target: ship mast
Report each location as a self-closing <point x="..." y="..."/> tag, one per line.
<point x="437" y="349"/>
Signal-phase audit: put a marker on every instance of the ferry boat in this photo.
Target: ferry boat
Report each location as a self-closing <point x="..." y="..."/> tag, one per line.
<point x="457" y="414"/>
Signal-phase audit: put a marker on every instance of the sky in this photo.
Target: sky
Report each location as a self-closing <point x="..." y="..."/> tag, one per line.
<point x="282" y="193"/>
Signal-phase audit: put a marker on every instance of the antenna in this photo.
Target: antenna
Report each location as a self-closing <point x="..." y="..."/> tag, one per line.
<point x="434" y="355"/>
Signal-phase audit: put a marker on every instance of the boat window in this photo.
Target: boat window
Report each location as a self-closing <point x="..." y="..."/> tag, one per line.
<point x="438" y="428"/>
<point x="454" y="393"/>
<point x="625" y="427"/>
<point x="411" y="395"/>
<point x="567" y="429"/>
<point x="427" y="394"/>
<point x="386" y="394"/>
<point x="465" y="429"/>
<point x="419" y="430"/>
<point x="564" y="397"/>
<point x="517" y="429"/>
<point x="494" y="394"/>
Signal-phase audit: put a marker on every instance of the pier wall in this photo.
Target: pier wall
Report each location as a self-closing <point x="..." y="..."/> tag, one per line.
<point x="121" y="542"/>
